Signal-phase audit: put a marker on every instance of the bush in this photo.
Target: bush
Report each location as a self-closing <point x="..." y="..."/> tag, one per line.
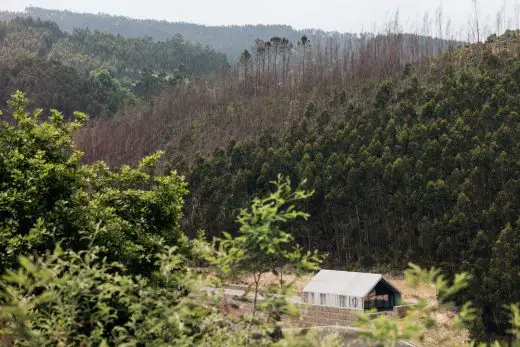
<point x="47" y="195"/>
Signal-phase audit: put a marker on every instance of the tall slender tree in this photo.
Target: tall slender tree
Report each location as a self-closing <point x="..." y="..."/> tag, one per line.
<point x="245" y="62"/>
<point x="304" y="43"/>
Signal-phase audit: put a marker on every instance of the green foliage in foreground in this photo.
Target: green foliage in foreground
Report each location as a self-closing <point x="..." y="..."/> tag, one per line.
<point x="95" y="257"/>
<point x="48" y="196"/>
<point x="71" y="298"/>
<point x="79" y="299"/>
<point x="262" y="245"/>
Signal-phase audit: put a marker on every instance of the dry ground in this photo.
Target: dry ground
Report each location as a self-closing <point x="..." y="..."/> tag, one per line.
<point x="441" y="334"/>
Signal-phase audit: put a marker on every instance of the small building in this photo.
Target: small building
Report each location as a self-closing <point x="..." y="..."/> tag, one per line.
<point x="351" y="290"/>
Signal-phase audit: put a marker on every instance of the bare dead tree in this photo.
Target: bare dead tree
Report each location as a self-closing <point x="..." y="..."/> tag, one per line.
<point x="476" y="20"/>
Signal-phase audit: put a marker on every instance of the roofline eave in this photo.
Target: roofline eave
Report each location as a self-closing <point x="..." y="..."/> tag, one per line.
<point x="387" y="282"/>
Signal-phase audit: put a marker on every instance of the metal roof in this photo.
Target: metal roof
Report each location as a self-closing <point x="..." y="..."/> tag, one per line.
<point x="345" y="283"/>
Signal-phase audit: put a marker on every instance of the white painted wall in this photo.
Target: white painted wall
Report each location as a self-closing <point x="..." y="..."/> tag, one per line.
<point x="333" y="300"/>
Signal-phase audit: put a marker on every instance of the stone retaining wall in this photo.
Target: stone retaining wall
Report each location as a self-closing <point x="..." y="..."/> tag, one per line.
<point x="400" y="311"/>
<point x="314" y="315"/>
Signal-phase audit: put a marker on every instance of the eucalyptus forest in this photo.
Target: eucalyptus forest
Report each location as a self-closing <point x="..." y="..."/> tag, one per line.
<point x="144" y="162"/>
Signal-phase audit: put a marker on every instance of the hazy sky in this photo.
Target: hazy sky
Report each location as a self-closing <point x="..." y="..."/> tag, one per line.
<point x="341" y="15"/>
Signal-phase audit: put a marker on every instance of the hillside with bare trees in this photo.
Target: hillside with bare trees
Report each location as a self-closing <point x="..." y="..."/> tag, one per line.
<point x="269" y="87"/>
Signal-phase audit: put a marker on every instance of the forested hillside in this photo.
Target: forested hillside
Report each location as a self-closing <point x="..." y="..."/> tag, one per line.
<point x="423" y="168"/>
<point x="91" y="71"/>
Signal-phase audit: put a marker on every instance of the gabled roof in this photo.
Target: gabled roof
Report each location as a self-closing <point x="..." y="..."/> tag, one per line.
<point x="345" y="283"/>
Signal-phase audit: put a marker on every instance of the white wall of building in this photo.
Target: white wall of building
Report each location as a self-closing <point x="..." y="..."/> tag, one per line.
<point x="333" y="300"/>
